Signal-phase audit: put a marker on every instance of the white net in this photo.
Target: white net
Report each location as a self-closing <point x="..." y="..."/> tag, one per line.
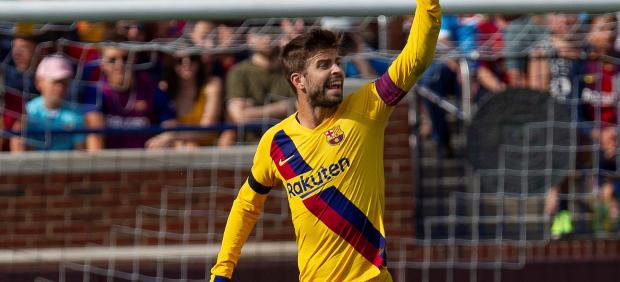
<point x="477" y="221"/>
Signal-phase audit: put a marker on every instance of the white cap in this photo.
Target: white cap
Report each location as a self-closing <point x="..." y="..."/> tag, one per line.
<point x="54" y="67"/>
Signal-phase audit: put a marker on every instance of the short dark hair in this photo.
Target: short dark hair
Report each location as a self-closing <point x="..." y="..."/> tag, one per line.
<point x="295" y="54"/>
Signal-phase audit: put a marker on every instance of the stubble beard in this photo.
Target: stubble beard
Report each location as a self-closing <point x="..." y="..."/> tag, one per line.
<point x="318" y="98"/>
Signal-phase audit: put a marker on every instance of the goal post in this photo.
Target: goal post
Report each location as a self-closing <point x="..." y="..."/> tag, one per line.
<point x="238" y="9"/>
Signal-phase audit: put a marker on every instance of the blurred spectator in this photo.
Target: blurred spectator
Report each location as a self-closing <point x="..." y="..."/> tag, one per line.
<point x="598" y="84"/>
<point x="171" y="29"/>
<point x="520" y="34"/>
<point x="202" y="34"/>
<point x="226" y="40"/>
<point x="87" y="32"/>
<point x="491" y="74"/>
<point x="132" y="30"/>
<point x="92" y="32"/>
<point x="50" y="111"/>
<point x="354" y="63"/>
<point x="197" y="94"/>
<point x="290" y="29"/>
<point x="18" y="79"/>
<point x="126" y="99"/>
<point x="551" y="69"/>
<point x="551" y="60"/>
<point x="210" y="37"/>
<point x="598" y="93"/>
<point x="256" y="90"/>
<point x="458" y="33"/>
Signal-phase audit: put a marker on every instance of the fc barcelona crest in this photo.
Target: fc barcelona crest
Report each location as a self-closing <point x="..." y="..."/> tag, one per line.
<point x="334" y="135"/>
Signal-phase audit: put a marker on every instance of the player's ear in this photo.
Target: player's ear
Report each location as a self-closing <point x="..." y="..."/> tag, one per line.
<point x="297" y="80"/>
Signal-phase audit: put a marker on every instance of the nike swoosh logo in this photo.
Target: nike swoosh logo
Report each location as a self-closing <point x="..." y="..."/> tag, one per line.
<point x="282" y="162"/>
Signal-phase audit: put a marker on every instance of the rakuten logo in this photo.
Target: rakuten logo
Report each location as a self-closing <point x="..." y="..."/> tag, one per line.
<point x="306" y="185"/>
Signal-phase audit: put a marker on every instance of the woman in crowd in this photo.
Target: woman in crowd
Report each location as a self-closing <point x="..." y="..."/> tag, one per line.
<point x="197" y="95"/>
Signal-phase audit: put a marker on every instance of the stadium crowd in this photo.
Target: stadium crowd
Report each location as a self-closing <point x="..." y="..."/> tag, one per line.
<point x="573" y="58"/>
<point x="119" y="85"/>
<point x="209" y="73"/>
<point x="108" y="84"/>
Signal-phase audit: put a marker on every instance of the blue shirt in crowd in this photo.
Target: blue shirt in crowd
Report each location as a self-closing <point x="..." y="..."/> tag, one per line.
<point x="41" y="119"/>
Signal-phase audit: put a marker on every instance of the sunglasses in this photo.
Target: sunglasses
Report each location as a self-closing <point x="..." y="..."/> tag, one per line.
<point x="114" y="60"/>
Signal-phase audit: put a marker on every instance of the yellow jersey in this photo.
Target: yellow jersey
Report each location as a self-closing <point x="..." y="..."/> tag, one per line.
<point x="333" y="174"/>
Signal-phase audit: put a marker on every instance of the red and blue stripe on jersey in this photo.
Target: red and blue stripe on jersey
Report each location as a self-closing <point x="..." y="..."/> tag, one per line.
<point x="349" y="222"/>
<point x="286" y="157"/>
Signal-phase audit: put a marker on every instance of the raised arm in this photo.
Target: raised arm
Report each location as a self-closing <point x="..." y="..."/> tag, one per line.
<point x="416" y="55"/>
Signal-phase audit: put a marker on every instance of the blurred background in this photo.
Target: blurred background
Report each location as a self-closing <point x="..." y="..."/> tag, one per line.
<point x="124" y="142"/>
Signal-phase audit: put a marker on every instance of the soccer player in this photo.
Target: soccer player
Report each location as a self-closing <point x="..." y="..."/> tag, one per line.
<point x="328" y="156"/>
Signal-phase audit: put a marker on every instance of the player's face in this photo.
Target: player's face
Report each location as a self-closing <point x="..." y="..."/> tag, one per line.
<point x="324" y="79"/>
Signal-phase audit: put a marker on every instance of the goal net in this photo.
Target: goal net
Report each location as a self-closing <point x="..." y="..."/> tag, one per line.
<point x="505" y="152"/>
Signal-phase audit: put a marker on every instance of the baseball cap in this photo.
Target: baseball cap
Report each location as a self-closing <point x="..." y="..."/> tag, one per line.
<point x="54" y="67"/>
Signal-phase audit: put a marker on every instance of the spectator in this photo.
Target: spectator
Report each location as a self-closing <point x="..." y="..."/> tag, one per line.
<point x="126" y="99"/>
<point x="458" y="34"/>
<point x="17" y="78"/>
<point x="290" y="29"/>
<point x="206" y="35"/>
<point x="354" y="64"/>
<point x="197" y="94"/>
<point x="598" y="93"/>
<point x="256" y="90"/>
<point x="49" y="111"/>
<point x="171" y="29"/>
<point x="551" y="61"/>
<point x="520" y="34"/>
<point x="551" y="69"/>
<point x="132" y="30"/>
<point x="202" y="34"/>
<point x="89" y="32"/>
<point x="490" y="72"/>
<point x="227" y="39"/>
<point x="598" y="89"/>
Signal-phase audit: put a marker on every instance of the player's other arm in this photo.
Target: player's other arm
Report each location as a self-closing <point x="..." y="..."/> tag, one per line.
<point x="243" y="216"/>
<point x="415" y="57"/>
<point x="245" y="210"/>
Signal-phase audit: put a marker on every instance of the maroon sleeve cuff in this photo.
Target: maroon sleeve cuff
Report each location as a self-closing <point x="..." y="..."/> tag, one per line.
<point x="388" y="91"/>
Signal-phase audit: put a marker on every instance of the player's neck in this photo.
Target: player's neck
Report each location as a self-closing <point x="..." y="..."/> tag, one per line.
<point x="311" y="117"/>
